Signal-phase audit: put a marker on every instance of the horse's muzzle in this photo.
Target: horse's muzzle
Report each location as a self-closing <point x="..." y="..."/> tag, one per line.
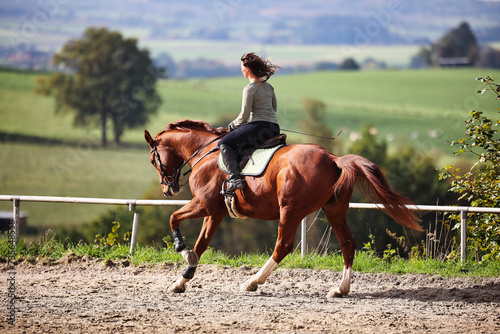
<point x="171" y="191"/>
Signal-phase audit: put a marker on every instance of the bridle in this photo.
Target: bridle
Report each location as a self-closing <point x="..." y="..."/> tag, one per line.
<point x="169" y="180"/>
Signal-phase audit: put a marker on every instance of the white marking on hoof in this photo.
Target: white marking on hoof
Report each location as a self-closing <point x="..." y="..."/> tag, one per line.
<point x="179" y="285"/>
<point x="265" y="271"/>
<point x="260" y="277"/>
<point x="334" y="293"/>
<point x="345" y="285"/>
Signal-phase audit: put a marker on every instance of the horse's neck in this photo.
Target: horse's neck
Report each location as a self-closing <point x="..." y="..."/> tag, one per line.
<point x="190" y="142"/>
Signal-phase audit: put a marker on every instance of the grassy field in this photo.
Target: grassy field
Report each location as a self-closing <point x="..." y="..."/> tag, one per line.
<point x="423" y="108"/>
<point x="405" y="104"/>
<point x="78" y="171"/>
<point x="230" y="51"/>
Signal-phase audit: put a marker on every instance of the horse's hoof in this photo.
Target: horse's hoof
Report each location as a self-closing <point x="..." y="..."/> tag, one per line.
<point x="176" y="288"/>
<point x="335" y="294"/>
<point x="249" y="286"/>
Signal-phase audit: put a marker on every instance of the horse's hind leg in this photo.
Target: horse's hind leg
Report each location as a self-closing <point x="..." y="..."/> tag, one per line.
<point x="336" y="215"/>
<point x="284" y="245"/>
<point x="210" y="225"/>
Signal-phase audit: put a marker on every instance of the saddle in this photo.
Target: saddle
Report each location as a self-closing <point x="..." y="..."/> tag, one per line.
<point x="253" y="162"/>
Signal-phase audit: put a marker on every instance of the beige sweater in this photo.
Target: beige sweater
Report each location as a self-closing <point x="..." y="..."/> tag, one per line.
<point x="258" y="104"/>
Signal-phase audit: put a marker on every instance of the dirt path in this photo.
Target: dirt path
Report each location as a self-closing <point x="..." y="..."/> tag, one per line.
<point x="85" y="296"/>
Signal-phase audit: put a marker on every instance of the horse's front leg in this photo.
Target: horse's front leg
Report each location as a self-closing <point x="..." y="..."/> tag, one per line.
<point x="210" y="225"/>
<point x="191" y="259"/>
<point x="190" y="211"/>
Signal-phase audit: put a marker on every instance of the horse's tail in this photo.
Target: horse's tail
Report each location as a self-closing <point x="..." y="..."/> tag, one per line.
<point x="374" y="185"/>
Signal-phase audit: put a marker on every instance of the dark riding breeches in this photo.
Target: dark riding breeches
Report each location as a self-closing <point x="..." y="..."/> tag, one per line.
<point x="250" y="135"/>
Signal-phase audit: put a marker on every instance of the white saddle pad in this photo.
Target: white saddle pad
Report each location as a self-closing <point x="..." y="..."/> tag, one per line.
<point x="257" y="163"/>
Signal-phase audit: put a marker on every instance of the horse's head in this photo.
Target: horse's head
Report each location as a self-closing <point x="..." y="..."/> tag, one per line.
<point x="176" y="146"/>
<point x="167" y="163"/>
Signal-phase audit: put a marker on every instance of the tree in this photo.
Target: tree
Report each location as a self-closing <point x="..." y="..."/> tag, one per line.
<point x="314" y="123"/>
<point x="411" y="171"/>
<point x="349" y="64"/>
<point x="459" y="42"/>
<point x="369" y="147"/>
<point x="480" y="186"/>
<point x="105" y="78"/>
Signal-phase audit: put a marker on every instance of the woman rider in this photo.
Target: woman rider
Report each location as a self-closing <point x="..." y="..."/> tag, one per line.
<point x="257" y="121"/>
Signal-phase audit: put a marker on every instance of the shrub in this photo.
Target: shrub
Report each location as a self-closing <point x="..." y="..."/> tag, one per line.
<point x="480" y="186"/>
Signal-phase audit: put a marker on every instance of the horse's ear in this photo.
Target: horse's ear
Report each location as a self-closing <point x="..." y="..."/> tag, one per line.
<point x="148" y="138"/>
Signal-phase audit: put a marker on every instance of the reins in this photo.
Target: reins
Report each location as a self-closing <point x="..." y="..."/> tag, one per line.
<point x="201" y="158"/>
<point x="170" y="180"/>
<point x="198" y="151"/>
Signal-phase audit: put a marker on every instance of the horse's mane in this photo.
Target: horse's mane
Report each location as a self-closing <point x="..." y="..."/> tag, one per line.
<point x="196" y="125"/>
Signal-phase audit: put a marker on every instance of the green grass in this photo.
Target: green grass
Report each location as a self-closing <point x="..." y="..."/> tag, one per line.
<point x="49" y="250"/>
<point x="23" y="112"/>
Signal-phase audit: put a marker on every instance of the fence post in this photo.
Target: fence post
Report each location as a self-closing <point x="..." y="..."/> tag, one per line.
<point x="15" y="216"/>
<point x="135" y="227"/>
<point x="303" y="236"/>
<point x="463" y="235"/>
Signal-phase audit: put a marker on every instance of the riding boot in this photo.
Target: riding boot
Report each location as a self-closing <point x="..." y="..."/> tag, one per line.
<point x="234" y="180"/>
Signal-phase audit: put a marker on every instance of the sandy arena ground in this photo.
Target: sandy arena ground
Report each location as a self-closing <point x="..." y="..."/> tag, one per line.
<point x="85" y="296"/>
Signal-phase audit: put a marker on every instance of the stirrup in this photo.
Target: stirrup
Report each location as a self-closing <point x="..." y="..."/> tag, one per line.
<point x="232" y="185"/>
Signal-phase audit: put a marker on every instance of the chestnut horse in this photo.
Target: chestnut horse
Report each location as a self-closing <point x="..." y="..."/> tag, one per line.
<point x="299" y="180"/>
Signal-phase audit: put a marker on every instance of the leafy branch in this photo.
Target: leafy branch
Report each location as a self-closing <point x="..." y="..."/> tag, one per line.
<point x="480" y="186"/>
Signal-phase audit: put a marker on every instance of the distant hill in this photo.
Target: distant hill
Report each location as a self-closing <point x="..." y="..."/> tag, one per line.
<point x="45" y="25"/>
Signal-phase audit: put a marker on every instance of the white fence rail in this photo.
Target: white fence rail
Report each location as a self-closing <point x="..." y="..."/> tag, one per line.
<point x="132" y="203"/>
